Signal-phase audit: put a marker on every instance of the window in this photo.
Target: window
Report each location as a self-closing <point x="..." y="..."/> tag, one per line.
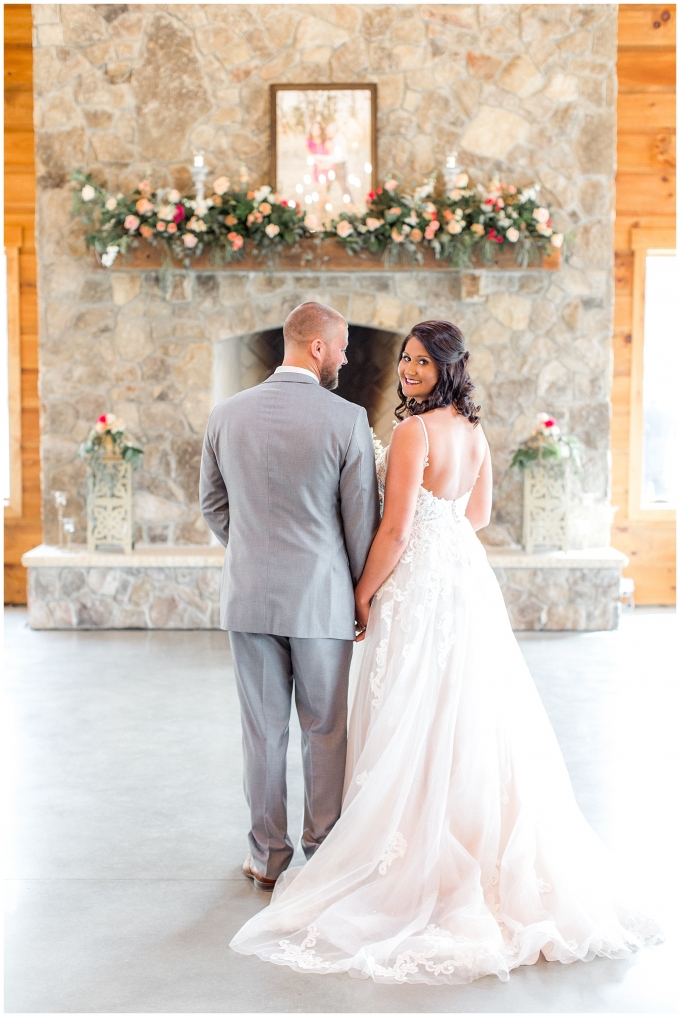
<point x="653" y="486"/>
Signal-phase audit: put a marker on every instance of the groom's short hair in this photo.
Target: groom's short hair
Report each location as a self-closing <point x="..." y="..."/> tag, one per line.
<point x="308" y="321"/>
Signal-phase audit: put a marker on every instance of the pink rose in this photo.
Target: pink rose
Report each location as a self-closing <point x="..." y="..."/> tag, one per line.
<point x="344" y="228"/>
<point x="391" y="185"/>
<point x="271" y="230"/>
<point x="189" y="240"/>
<point x="431" y="229"/>
<point x="131" y="222"/>
<point x="236" y="241"/>
<point x="160" y="226"/>
<point x="172" y="227"/>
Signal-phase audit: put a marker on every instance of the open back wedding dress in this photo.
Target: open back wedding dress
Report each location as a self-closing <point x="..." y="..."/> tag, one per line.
<point x="460" y="851"/>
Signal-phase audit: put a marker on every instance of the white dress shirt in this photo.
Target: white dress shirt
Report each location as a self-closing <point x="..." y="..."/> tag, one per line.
<point x="298" y="370"/>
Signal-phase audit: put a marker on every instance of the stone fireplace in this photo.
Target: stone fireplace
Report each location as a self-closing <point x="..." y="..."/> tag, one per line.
<point x="524" y="91"/>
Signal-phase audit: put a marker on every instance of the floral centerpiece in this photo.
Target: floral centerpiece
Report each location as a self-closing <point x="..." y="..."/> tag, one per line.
<point x="107" y="438"/>
<point x="547" y="443"/>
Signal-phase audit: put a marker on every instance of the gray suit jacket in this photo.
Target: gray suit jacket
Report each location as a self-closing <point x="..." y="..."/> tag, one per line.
<point x="288" y="485"/>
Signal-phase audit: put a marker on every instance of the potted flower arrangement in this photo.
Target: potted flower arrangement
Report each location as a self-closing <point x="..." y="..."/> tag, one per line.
<point x="111" y="459"/>
<point x="543" y="459"/>
<point x="546" y="443"/>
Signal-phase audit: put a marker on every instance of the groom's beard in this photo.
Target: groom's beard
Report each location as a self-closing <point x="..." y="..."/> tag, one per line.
<point x="329" y="376"/>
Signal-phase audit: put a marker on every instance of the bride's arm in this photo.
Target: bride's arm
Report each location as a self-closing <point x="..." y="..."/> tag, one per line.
<point x="478" y="509"/>
<point x="404" y="477"/>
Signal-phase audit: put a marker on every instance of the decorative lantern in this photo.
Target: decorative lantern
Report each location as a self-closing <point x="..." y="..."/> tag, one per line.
<point x="109" y="504"/>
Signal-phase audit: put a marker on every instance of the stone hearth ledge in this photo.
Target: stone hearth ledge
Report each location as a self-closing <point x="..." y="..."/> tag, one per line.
<point x="178" y="588"/>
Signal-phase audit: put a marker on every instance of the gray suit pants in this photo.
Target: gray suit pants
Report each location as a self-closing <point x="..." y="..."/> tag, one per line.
<point x="269" y="670"/>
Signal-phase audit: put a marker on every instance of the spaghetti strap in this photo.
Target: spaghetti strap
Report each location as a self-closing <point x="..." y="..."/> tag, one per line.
<point x="427" y="444"/>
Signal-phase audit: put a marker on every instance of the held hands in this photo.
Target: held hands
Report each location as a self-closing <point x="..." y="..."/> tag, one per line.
<point x="361" y="609"/>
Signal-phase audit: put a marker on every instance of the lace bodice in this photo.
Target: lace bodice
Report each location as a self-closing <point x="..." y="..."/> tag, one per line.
<point x="429" y="506"/>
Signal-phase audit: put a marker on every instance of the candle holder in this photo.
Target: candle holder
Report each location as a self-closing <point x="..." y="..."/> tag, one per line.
<point x="199" y="172"/>
<point x="60" y="499"/>
<point x="69" y="526"/>
<point x="451" y="171"/>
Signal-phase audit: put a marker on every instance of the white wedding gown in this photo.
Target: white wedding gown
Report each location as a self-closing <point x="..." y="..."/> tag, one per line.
<point x="460" y="851"/>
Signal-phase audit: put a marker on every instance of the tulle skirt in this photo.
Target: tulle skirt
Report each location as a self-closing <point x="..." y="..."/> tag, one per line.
<point x="460" y="851"/>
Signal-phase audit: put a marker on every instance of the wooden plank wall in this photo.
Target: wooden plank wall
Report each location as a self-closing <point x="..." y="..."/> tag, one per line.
<point x="26" y="531"/>
<point x="645" y="196"/>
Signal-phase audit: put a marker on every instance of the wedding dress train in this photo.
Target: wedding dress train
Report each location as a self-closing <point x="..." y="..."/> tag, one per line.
<point x="460" y="851"/>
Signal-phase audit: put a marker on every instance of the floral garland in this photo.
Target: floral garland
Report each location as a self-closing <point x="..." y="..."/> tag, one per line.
<point x="398" y="224"/>
<point x="546" y="443"/>
<point x="457" y="225"/>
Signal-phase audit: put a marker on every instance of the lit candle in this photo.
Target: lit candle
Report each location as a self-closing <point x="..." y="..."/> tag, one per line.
<point x="198" y="160"/>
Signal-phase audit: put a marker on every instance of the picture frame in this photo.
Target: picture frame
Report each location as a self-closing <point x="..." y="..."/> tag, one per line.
<point x="323" y="145"/>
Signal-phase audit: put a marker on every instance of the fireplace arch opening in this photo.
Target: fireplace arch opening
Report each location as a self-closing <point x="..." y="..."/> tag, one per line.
<point x="369" y="378"/>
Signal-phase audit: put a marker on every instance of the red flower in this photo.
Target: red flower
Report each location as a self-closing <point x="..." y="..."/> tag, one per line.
<point x="179" y="214"/>
<point x="102" y="419"/>
<point x="371" y="195"/>
<point x="379" y="191"/>
<point x="550" y="422"/>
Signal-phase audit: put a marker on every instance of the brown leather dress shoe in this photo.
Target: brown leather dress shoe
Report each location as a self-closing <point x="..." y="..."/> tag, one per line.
<point x="261" y="882"/>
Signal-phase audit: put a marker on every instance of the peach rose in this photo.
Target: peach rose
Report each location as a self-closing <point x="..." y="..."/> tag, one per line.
<point x="172" y="227"/>
<point x="416" y="235"/>
<point x="146" y="231"/>
<point x="265" y="208"/>
<point x="221" y="185"/>
<point x="477" y="228"/>
<point x="189" y="240"/>
<point x="431" y="229"/>
<point x="160" y="226"/>
<point x="271" y="230"/>
<point x="230" y="220"/>
<point x="344" y="228"/>
<point x="144" y="206"/>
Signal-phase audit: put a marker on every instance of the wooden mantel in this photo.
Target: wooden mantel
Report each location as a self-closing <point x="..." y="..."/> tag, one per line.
<point x="317" y="256"/>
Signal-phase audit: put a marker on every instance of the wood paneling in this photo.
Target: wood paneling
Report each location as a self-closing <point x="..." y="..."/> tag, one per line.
<point x="24" y="531"/>
<point x="649" y="69"/>
<point x="645" y="199"/>
<point x="642" y="25"/>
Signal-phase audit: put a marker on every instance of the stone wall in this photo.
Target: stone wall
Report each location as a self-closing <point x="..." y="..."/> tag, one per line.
<point x="127" y="89"/>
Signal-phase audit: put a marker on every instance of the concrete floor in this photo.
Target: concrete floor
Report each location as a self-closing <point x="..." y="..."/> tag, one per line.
<point x="127" y="827"/>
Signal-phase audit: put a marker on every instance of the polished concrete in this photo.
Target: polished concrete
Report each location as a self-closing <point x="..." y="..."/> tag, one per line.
<point x="127" y="826"/>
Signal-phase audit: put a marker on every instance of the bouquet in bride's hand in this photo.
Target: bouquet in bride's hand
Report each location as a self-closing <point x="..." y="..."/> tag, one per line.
<point x="378" y="447"/>
<point x="546" y="443"/>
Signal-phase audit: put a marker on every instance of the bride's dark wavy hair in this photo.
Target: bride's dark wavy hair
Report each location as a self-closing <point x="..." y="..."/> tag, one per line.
<point x="446" y="345"/>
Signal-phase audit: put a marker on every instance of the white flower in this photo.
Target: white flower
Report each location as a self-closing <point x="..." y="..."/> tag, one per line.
<point x="455" y="226"/>
<point x="174" y="195"/>
<point x="541" y="214"/>
<point x="462" y="180"/>
<point x="110" y="204"/>
<point x="557" y="239"/>
<point x="271" y="230"/>
<point x="372" y="224"/>
<point x="391" y="185"/>
<point x="87" y="193"/>
<point x="110" y="256"/>
<point x="458" y="213"/>
<point x="545" y="231"/>
<point x="344" y="228"/>
<point x="261" y="193"/>
<point x="512" y="235"/>
<point x="311" y="221"/>
<point x="167" y="212"/>
<point x="221" y="185"/>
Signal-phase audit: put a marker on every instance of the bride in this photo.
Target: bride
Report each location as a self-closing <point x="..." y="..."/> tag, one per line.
<point x="460" y="851"/>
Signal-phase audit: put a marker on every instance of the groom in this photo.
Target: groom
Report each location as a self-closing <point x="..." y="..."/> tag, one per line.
<point x="288" y="485"/>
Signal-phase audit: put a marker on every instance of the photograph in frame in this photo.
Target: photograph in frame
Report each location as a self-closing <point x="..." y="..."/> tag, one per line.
<point x="323" y="144"/>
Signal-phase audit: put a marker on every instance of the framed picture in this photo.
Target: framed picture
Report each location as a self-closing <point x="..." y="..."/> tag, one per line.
<point x="323" y="146"/>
